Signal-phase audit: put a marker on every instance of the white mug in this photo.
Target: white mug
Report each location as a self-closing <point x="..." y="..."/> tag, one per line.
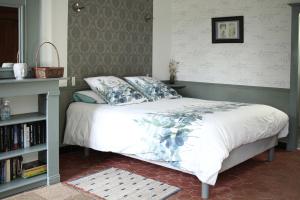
<point x="20" y="70"/>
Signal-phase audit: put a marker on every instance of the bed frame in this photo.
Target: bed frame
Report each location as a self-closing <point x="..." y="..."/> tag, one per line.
<point x="235" y="157"/>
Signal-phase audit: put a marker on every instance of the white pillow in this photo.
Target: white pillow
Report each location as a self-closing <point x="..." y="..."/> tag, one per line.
<point x="88" y="96"/>
<point x="115" y="91"/>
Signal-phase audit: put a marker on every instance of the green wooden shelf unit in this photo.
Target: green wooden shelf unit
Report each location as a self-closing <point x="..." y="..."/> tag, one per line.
<point x="48" y="92"/>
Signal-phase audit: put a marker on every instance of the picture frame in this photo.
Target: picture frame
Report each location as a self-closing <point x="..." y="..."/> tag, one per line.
<point x="228" y="29"/>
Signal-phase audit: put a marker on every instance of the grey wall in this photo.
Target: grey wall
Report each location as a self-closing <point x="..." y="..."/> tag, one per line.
<point x="294" y="77"/>
<point x="109" y="37"/>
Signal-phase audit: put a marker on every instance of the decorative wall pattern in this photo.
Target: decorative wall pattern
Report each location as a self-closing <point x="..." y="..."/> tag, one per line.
<point x="110" y="37"/>
<point x="264" y="58"/>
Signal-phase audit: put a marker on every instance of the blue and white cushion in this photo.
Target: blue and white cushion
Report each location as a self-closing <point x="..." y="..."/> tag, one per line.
<point x="115" y="91"/>
<point x="88" y="96"/>
<point x="153" y="89"/>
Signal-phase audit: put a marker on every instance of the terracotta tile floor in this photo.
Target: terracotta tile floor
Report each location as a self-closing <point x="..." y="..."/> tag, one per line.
<point x="253" y="179"/>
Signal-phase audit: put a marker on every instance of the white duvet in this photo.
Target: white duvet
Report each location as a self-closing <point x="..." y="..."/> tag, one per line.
<point x="191" y="134"/>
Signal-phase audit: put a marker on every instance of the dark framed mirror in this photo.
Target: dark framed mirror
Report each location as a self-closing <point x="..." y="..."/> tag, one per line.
<point x="19" y="32"/>
<point x="12" y="32"/>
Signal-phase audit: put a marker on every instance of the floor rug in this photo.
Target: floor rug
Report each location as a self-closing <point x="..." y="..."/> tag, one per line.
<point x="54" y="192"/>
<point x="113" y="184"/>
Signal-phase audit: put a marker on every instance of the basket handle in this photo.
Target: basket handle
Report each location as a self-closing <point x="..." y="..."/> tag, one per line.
<point x="18" y="57"/>
<point x="38" y="53"/>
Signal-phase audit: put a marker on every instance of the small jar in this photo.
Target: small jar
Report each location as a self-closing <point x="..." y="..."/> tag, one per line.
<point x="5" y="111"/>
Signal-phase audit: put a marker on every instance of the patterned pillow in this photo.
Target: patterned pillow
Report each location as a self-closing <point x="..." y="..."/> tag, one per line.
<point x="153" y="89"/>
<point x="88" y="96"/>
<point x="114" y="90"/>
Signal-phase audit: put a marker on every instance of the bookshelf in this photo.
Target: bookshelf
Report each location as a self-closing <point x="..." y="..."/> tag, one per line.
<point x="48" y="111"/>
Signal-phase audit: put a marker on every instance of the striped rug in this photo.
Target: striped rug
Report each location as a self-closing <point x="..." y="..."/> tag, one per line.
<point x="113" y="184"/>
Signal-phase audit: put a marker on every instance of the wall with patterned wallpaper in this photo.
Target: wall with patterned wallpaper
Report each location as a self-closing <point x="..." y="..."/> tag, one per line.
<point x="110" y="37"/>
<point x="262" y="60"/>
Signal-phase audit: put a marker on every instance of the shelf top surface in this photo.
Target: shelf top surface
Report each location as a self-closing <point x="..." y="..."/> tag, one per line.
<point x="27" y="80"/>
<point x="19" y="152"/>
<point x="19" y="182"/>
<point x="23" y="118"/>
<point x="6" y="69"/>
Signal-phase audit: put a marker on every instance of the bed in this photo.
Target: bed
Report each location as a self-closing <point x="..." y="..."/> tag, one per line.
<point x="173" y="132"/>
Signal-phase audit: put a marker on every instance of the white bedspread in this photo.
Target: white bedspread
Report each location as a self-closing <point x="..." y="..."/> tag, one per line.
<point x="191" y="134"/>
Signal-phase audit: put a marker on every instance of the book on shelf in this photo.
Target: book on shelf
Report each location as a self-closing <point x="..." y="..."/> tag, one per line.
<point x="20" y="136"/>
<point x="11" y="169"/>
<point x="7" y="179"/>
<point x="14" y="168"/>
<point x="33" y="169"/>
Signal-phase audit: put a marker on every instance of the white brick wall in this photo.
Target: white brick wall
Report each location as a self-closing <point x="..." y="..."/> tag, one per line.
<point x="262" y="60"/>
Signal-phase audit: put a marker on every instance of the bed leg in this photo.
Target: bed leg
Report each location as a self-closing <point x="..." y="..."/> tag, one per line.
<point x="205" y="191"/>
<point x="86" y="152"/>
<point x="271" y="154"/>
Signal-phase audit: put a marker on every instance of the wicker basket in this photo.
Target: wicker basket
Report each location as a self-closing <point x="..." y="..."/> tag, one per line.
<point x="47" y="72"/>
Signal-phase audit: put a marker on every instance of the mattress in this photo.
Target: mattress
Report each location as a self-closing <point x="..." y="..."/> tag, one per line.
<point x="190" y="134"/>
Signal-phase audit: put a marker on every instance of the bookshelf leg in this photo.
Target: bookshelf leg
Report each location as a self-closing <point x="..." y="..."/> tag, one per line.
<point x="53" y="138"/>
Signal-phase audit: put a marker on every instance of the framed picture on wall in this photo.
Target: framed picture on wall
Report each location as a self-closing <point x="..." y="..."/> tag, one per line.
<point x="228" y="29"/>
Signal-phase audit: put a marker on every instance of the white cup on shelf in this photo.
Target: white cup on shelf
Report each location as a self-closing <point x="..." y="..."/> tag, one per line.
<point x="20" y="70"/>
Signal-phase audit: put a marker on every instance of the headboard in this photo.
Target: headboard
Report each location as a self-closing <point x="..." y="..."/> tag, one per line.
<point x="276" y="97"/>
